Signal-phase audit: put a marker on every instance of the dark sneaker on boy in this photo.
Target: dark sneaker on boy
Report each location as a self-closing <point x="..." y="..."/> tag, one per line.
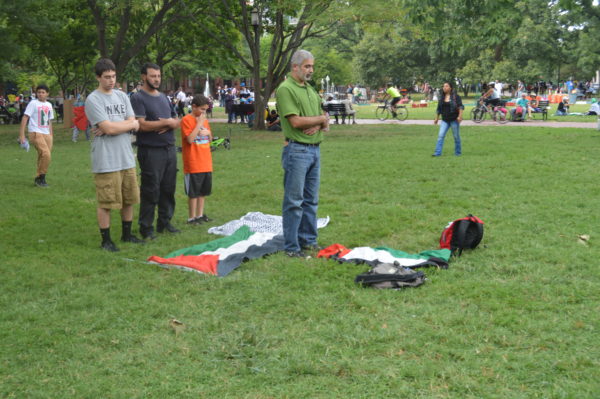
<point x="194" y="221"/>
<point x="204" y="218"/>
<point x="109" y="246"/>
<point x="40" y="182"/>
<point x="132" y="239"/>
<point x="168" y="228"/>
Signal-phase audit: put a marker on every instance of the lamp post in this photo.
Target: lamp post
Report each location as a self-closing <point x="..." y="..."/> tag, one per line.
<point x="255" y="21"/>
<point x="327" y="80"/>
<point x="258" y="99"/>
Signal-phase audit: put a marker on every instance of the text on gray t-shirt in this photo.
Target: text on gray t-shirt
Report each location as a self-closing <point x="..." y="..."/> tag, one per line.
<point x="110" y="153"/>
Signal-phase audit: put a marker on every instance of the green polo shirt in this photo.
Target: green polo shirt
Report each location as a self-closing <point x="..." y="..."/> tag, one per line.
<point x="295" y="99"/>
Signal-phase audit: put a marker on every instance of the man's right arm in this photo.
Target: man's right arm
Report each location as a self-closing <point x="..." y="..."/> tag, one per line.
<point x="306" y="122"/>
<point x="114" y="128"/>
<point x="24" y="122"/>
<point x="103" y="125"/>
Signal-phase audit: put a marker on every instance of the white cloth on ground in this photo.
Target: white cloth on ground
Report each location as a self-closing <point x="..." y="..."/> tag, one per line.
<point x="258" y="222"/>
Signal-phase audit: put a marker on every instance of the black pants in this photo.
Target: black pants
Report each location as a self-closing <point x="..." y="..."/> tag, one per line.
<point x="159" y="175"/>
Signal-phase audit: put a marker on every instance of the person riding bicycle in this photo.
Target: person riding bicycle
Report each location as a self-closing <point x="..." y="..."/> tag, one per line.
<point x="394" y="94"/>
<point x="491" y="95"/>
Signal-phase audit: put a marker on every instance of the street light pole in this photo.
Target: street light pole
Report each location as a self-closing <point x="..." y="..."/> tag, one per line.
<point x="259" y="121"/>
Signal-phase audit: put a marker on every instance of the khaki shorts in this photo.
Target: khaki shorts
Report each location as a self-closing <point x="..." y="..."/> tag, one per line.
<point x="114" y="190"/>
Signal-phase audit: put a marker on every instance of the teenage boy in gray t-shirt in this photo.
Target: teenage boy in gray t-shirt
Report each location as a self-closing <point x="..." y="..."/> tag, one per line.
<point x="113" y="164"/>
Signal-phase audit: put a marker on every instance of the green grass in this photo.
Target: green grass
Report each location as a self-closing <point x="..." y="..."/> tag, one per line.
<point x="516" y="318"/>
<point x="368" y="112"/>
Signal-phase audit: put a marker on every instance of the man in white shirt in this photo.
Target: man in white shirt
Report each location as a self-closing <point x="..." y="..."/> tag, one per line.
<point x="498" y="88"/>
<point x="180" y="97"/>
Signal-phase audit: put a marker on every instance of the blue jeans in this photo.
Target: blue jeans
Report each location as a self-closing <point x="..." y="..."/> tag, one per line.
<point x="444" y="126"/>
<point x="301" y="165"/>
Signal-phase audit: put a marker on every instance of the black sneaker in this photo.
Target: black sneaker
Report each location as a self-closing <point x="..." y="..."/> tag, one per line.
<point x="194" y="221"/>
<point x="296" y="254"/>
<point x="169" y="228"/>
<point x="40" y="182"/>
<point x="109" y="246"/>
<point x="204" y="218"/>
<point x="149" y="235"/>
<point x="132" y="239"/>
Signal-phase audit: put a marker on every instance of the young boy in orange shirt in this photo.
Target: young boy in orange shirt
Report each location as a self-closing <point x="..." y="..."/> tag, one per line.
<point x="197" y="159"/>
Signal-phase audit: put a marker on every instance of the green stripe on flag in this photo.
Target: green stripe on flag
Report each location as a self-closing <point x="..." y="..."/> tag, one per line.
<point x="432" y="253"/>
<point x="241" y="234"/>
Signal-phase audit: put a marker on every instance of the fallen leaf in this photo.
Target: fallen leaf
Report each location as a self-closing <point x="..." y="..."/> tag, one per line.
<point x="177" y="326"/>
<point x="583" y="239"/>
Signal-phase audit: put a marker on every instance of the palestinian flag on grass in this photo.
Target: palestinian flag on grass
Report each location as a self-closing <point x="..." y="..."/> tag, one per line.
<point x="374" y="256"/>
<point x="220" y="257"/>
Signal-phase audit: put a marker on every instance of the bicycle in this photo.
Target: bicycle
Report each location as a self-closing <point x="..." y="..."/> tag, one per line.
<point x="479" y="113"/>
<point x="221" y="141"/>
<point x="382" y="112"/>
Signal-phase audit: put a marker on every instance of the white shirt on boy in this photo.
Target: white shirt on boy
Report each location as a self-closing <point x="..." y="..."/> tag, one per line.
<point x="39" y="113"/>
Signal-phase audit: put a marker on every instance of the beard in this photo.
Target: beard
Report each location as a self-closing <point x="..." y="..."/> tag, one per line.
<point x="307" y="76"/>
<point x="152" y="86"/>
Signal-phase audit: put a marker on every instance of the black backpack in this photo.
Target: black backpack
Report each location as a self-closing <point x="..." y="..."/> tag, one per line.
<point x="388" y="275"/>
<point x="465" y="233"/>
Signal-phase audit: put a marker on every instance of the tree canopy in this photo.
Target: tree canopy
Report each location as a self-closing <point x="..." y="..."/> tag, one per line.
<point x="367" y="42"/>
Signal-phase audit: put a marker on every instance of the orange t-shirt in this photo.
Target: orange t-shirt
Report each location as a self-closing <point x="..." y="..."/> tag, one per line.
<point x="196" y="156"/>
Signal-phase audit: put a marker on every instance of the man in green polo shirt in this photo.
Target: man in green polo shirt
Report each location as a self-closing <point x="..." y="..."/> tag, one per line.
<point x="303" y="123"/>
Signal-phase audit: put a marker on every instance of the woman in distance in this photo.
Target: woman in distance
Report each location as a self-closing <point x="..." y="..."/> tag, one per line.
<point x="450" y="108"/>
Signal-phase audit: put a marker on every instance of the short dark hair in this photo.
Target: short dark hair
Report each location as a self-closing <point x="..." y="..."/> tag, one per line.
<point x="148" y="65"/>
<point x="42" y="87"/>
<point x="103" y="65"/>
<point x="200" y="100"/>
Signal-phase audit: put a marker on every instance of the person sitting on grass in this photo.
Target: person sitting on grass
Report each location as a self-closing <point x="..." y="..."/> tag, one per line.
<point x="563" y="108"/>
<point x="273" y="122"/>
<point x="594" y="108"/>
<point x="197" y="159"/>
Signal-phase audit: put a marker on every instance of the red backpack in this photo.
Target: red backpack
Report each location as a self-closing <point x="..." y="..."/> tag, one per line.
<point x="465" y="233"/>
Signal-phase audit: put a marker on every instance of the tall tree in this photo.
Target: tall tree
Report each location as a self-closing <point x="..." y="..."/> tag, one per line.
<point x="583" y="16"/>
<point x="289" y="23"/>
<point x="58" y="37"/>
<point x="114" y="20"/>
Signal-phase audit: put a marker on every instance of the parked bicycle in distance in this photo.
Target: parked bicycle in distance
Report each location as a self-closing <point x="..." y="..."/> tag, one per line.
<point x="498" y="113"/>
<point x="383" y="112"/>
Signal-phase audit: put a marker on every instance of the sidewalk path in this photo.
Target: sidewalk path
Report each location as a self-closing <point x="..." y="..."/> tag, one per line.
<point x="534" y="123"/>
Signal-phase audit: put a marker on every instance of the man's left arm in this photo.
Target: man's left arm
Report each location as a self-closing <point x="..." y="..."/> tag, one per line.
<point x="162" y="125"/>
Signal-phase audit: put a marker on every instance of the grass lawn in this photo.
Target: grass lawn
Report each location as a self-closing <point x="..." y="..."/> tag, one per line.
<point x="516" y="318"/>
<point x="368" y="112"/>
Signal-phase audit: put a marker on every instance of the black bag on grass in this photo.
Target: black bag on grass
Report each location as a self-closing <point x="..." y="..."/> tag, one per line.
<point x="465" y="233"/>
<point x="388" y="275"/>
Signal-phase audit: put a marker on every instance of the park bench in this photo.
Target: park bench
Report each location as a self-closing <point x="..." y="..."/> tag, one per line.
<point x="543" y="106"/>
<point x="336" y="110"/>
<point x="242" y="109"/>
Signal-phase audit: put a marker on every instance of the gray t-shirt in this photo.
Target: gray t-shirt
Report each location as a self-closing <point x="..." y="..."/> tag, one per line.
<point x="110" y="153"/>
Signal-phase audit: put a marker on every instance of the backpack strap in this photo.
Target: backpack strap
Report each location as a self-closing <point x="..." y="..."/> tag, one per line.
<point x="367" y="278"/>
